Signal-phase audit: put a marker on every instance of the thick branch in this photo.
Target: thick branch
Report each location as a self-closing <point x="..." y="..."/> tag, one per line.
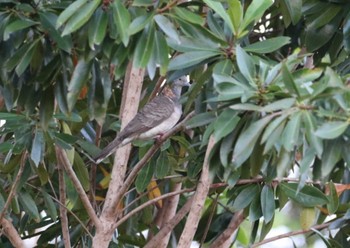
<point x="198" y="201"/>
<point x="289" y="234"/>
<point x="11" y="233"/>
<point x="225" y="239"/>
<point x="166" y="229"/>
<point x="80" y="190"/>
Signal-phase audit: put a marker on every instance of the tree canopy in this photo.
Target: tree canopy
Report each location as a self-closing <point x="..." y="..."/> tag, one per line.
<point x="270" y="95"/>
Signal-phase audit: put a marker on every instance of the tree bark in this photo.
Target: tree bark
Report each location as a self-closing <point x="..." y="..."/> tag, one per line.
<point x="129" y="107"/>
<point x="198" y="201"/>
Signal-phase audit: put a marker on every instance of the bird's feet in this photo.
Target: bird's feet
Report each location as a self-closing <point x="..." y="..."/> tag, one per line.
<point x="158" y="138"/>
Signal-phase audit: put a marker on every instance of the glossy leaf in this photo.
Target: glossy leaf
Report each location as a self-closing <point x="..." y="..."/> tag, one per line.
<point x="294" y="10"/>
<point x="268" y="46"/>
<point x="246" y="65"/>
<point x="219" y="9"/>
<point x="245" y="197"/>
<point x="307" y="218"/>
<point x="291" y="132"/>
<point x="188" y="59"/>
<point x="189" y="16"/>
<point x="82" y="16"/>
<point x="167" y="27"/>
<point x="235" y="12"/>
<point x="330" y="156"/>
<point x="121" y="18"/>
<point x="97" y="28"/>
<point x="331" y="130"/>
<point x="29" y="205"/>
<point x="162" y="165"/>
<point x="225" y="124"/>
<point x="267" y="203"/>
<point x="333" y="204"/>
<point x="79" y="79"/>
<point x="68" y="12"/>
<point x="200" y="120"/>
<point x="247" y="139"/>
<point x="144" y="47"/>
<point x="255" y="11"/>
<point x="139" y="23"/>
<point x="38" y="147"/>
<point x="145" y="176"/>
<point x="308" y="196"/>
<point x="162" y="53"/>
<point x="16" y="26"/>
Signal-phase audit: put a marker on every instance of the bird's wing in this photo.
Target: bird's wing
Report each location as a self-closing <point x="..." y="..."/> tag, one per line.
<point x="151" y="115"/>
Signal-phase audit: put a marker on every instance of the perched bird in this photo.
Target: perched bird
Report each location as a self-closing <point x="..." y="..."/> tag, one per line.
<point x="152" y="121"/>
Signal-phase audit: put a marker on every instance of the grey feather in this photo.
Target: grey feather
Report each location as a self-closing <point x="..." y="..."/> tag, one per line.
<point x="163" y="111"/>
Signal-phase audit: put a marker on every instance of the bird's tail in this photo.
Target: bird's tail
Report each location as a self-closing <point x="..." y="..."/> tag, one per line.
<point x="107" y="151"/>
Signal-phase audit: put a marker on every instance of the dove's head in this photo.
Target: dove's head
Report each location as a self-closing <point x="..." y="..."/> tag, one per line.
<point x="182" y="81"/>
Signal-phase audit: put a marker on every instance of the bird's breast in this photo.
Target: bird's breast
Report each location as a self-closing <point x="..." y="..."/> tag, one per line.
<point x="164" y="126"/>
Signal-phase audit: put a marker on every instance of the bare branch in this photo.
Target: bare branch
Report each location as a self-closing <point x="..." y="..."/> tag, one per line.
<point x="63" y="210"/>
<point x="14" y="185"/>
<point x="225" y="239"/>
<point x="198" y="201"/>
<point x="155" y="241"/>
<point x="11" y="233"/>
<point x="148" y="203"/>
<point x="62" y="158"/>
<point x="289" y="234"/>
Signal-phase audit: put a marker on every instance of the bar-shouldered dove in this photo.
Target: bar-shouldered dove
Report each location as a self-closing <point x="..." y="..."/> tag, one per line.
<point x="152" y="121"/>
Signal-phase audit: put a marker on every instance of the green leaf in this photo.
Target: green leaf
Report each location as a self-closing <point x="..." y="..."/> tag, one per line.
<point x="255" y="11"/>
<point x="314" y="141"/>
<point x="246" y="65"/>
<point x="11" y="117"/>
<point x="97" y="28"/>
<point x="219" y="9"/>
<point x="289" y="81"/>
<point x="330" y="156"/>
<point x="200" y="120"/>
<point x="144" y="47"/>
<point x="308" y="196"/>
<point x="81" y="171"/>
<point x="188" y="59"/>
<point x="268" y="46"/>
<point x="17" y="25"/>
<point x="162" y="165"/>
<point x="189" y="16"/>
<point x="80" y="18"/>
<point x="145" y="176"/>
<point x="167" y="27"/>
<point x="46" y="107"/>
<point x="26" y="58"/>
<point x="139" y="23"/>
<point x="225" y="124"/>
<point x="294" y="10"/>
<point x="47" y="20"/>
<point x="69" y="11"/>
<point x="267" y="203"/>
<point x="121" y="18"/>
<point x="331" y="130"/>
<point x="279" y="105"/>
<point x="245" y="197"/>
<point x="78" y="80"/>
<point x="246" y="141"/>
<point x="29" y="205"/>
<point x="333" y="198"/>
<point x="38" y="147"/>
<point x="162" y="53"/>
<point x="235" y="12"/>
<point x="255" y="209"/>
<point x="291" y="132"/>
<point x="50" y="205"/>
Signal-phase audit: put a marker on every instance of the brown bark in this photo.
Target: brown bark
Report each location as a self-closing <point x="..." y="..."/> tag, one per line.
<point x="198" y="201"/>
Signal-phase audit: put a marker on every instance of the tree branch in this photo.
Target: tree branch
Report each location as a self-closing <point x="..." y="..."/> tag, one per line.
<point x="225" y="239"/>
<point x="166" y="229"/>
<point x="11" y="233"/>
<point x="289" y="234"/>
<point x="14" y="185"/>
<point x="63" y="210"/>
<point x="62" y="157"/>
<point x="198" y="201"/>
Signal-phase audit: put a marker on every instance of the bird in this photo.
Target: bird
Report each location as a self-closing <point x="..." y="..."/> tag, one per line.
<point x="152" y="121"/>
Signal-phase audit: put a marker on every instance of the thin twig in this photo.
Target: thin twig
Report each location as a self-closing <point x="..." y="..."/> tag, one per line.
<point x="289" y="234"/>
<point x="207" y="226"/>
<point x="80" y="190"/>
<point x="148" y="203"/>
<point x="156" y="88"/>
<point x="14" y="185"/>
<point x="63" y="210"/>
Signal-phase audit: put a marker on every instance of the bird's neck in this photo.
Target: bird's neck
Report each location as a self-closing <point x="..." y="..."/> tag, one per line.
<point x="176" y="89"/>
